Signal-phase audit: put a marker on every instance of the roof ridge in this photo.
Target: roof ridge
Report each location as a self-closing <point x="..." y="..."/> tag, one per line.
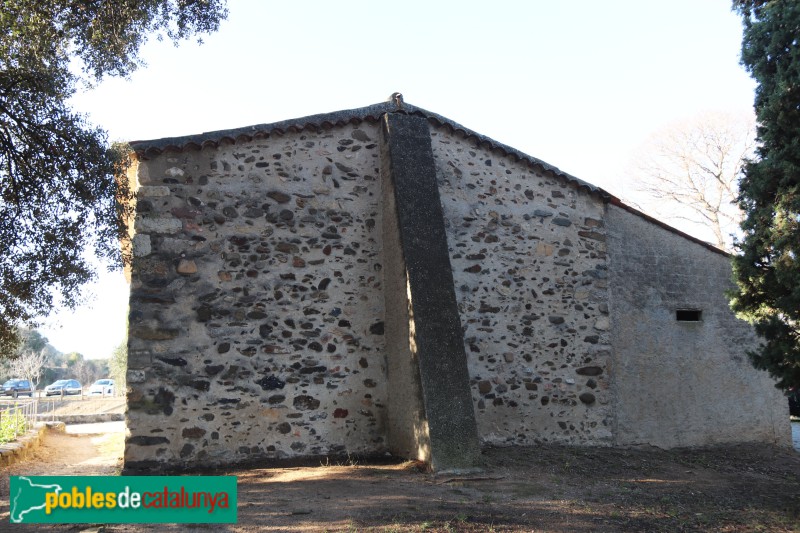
<point x="395" y="104"/>
<point x="373" y="113"/>
<point x="320" y="120"/>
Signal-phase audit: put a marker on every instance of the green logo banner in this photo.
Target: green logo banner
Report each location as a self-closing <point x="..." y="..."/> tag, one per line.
<point x="122" y="499"/>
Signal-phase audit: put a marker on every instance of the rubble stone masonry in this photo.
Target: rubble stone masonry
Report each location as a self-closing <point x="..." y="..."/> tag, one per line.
<point x="256" y="324"/>
<point x="260" y="292"/>
<point x="530" y="267"/>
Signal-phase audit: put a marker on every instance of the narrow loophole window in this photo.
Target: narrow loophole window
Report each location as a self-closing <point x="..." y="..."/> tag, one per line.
<point x="688" y="315"/>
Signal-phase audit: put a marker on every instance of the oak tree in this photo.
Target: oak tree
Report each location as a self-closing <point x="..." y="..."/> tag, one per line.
<point x="57" y="188"/>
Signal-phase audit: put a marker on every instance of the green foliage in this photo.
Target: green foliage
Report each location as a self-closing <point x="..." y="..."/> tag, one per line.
<point x="118" y="367"/>
<point x="51" y="375"/>
<point x="88" y="371"/>
<point x="30" y="357"/>
<point x="767" y="271"/>
<point x="58" y="195"/>
<point x="72" y="359"/>
<point x="31" y="342"/>
<point x="11" y="425"/>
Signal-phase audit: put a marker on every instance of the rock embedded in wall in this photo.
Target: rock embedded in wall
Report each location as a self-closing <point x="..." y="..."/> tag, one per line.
<point x="530" y="267"/>
<point x="259" y="301"/>
<point x="257" y="324"/>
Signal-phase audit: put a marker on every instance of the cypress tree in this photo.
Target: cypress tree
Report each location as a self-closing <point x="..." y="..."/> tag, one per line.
<point x="767" y="270"/>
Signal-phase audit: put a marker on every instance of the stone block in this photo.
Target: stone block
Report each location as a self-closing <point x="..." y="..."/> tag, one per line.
<point x="141" y="245"/>
<point x="157" y="224"/>
<point x="186" y="267"/>
<point x="152" y="191"/>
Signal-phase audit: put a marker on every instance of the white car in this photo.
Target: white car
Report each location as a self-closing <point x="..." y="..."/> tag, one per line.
<point x="102" y="387"/>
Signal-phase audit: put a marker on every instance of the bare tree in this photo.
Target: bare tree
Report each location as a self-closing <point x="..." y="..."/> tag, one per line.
<point x="690" y="171"/>
<point x="28" y="365"/>
<point x="87" y="371"/>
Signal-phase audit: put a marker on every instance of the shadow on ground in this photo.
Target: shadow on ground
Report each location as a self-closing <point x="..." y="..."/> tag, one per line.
<point x="544" y="488"/>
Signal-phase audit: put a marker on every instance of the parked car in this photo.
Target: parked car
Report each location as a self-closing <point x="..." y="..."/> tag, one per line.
<point x="102" y="387"/>
<point x="16" y="387"/>
<point x="63" y="386"/>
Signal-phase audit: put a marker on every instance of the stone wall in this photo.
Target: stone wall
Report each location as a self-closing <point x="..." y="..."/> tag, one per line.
<point x="259" y="297"/>
<point x="681" y="383"/>
<point x="528" y="254"/>
<point x="256" y="325"/>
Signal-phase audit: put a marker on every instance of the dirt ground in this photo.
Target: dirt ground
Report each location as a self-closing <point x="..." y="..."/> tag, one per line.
<point x="81" y="405"/>
<point x="546" y="488"/>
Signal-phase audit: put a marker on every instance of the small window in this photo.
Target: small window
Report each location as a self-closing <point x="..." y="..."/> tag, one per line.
<point x="688" y="315"/>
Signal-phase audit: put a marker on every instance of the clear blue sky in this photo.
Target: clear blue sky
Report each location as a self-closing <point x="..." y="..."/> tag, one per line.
<point x="579" y="84"/>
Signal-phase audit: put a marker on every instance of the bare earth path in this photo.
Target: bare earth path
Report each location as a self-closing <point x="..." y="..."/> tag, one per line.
<point x="547" y="488"/>
<point x="64" y="455"/>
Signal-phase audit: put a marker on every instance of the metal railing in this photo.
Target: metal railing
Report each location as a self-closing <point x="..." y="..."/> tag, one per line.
<point x="17" y="417"/>
<point x="46" y="406"/>
<point x="22" y="414"/>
